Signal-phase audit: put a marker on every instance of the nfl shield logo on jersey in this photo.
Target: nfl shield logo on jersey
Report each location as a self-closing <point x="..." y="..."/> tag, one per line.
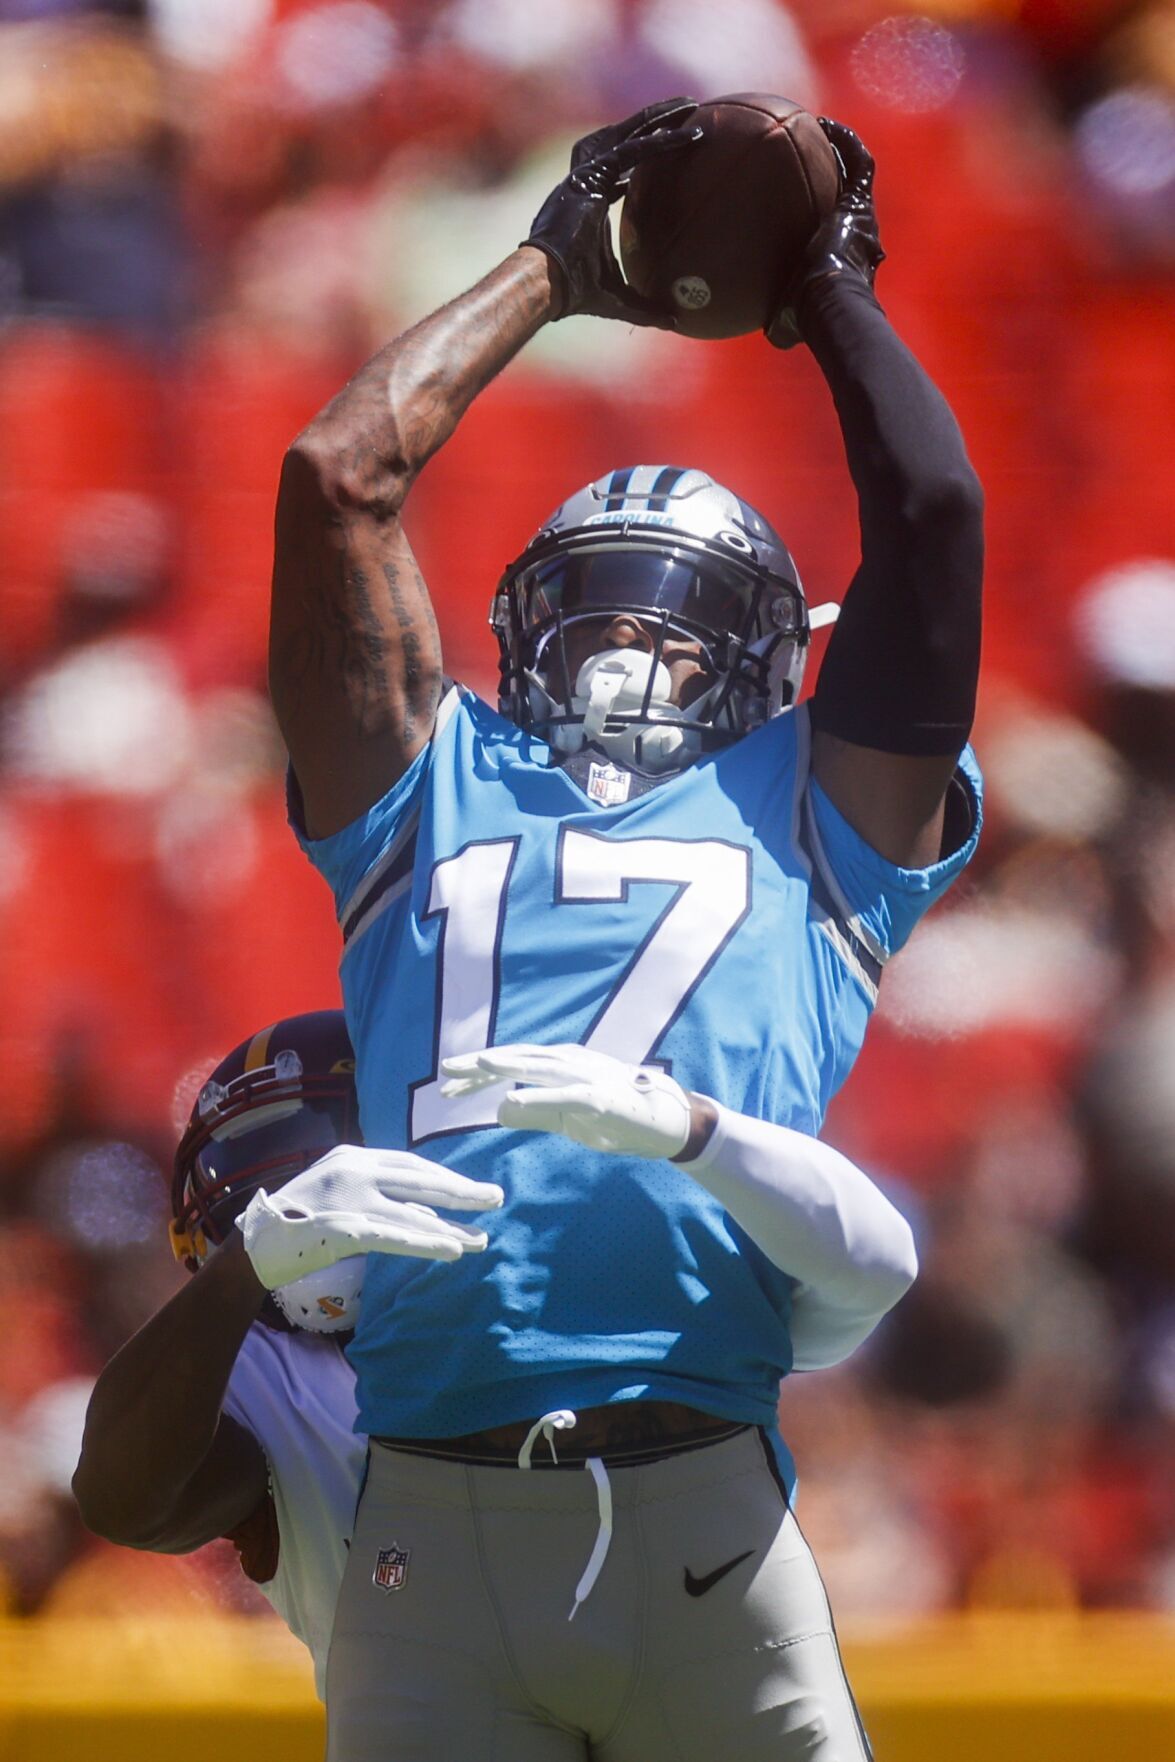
<point x="608" y="785"/>
<point x="391" y="1568"/>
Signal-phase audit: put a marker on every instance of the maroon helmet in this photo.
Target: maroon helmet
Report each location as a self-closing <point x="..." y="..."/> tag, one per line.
<point x="278" y="1102"/>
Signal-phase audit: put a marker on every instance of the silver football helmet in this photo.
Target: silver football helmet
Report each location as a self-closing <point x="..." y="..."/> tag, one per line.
<point x="687" y="558"/>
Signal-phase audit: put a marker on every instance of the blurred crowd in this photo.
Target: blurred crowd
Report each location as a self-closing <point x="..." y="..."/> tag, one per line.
<point x="210" y="211"/>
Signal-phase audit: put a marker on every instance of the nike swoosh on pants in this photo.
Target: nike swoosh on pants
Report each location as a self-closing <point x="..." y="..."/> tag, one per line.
<point x="697" y="1587"/>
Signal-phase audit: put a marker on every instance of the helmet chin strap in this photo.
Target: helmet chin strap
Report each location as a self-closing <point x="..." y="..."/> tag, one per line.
<point x="627" y="682"/>
<point x="626" y="687"/>
<point x="620" y="680"/>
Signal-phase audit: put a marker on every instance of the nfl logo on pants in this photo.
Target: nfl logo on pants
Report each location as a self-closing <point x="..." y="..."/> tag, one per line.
<point x="391" y="1568"/>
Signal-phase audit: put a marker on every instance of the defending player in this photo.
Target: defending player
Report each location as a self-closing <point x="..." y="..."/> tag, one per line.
<point x="266" y="1450"/>
<point x="649" y="852"/>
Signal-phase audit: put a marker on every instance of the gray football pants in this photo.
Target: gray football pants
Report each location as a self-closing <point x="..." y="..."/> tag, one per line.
<point x="670" y="1659"/>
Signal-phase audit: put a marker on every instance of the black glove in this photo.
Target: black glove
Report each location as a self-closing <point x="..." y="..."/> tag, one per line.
<point x="572" y="224"/>
<point x="847" y="243"/>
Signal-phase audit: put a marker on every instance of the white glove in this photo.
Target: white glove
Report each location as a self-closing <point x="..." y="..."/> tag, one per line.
<point x="634" y="1110"/>
<point x="359" y="1201"/>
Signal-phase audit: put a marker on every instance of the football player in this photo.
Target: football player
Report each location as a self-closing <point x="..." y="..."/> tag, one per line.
<point x="650" y="851"/>
<point x="263" y="1448"/>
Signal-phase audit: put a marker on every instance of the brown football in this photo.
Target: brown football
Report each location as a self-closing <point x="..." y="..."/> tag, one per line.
<point x="713" y="233"/>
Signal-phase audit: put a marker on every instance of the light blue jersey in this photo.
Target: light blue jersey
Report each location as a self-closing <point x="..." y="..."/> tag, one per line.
<point x="728" y="925"/>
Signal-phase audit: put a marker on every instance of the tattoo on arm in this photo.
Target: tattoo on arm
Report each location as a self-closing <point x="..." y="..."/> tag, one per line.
<point x="418" y="636"/>
<point x="355" y="658"/>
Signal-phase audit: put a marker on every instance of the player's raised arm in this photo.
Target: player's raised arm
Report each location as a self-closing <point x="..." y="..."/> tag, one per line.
<point x="896" y="695"/>
<point x="355" y="660"/>
<point x="354" y="654"/>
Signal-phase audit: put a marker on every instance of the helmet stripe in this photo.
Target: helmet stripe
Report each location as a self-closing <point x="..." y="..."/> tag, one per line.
<point x="659" y="494"/>
<point x="256" y="1057"/>
<point x="617" y="489"/>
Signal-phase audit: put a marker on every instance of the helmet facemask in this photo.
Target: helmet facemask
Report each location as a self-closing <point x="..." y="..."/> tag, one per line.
<point x="749" y="627"/>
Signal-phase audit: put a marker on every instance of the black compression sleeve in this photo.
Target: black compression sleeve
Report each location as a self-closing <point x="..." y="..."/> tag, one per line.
<point x="901" y="669"/>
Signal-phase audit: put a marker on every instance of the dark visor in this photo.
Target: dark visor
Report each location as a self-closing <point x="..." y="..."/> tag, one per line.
<point x="711" y="597"/>
<point x="314" y="1126"/>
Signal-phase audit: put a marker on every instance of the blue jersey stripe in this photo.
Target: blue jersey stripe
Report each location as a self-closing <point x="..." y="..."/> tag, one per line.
<point x="826" y="906"/>
<point x="389" y="875"/>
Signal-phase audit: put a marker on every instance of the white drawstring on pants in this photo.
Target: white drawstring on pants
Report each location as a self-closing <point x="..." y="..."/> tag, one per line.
<point x="562" y="1420"/>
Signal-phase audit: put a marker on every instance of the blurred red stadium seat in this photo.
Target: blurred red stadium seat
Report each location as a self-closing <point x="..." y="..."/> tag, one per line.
<point x="78" y="412"/>
<point x="237" y="410"/>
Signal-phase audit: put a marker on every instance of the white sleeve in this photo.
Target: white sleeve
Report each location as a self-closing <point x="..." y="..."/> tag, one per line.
<point x="819" y="1219"/>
